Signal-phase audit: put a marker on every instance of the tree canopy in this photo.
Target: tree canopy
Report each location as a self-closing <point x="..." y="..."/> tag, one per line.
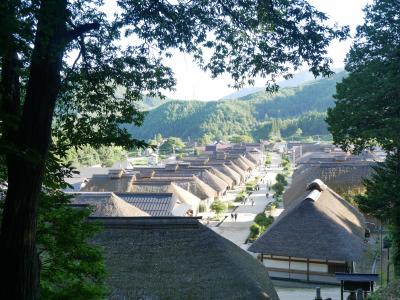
<point x="367" y="110"/>
<point x="367" y="106"/>
<point x="171" y="144"/>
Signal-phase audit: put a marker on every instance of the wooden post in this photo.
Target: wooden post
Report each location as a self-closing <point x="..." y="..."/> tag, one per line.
<point x="341" y="289"/>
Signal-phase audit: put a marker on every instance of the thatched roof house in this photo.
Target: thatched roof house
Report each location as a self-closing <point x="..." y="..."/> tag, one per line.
<point x="341" y="177"/>
<point x="319" y="227"/>
<point x="114" y="181"/>
<point x="108" y="205"/>
<point x="177" y="258"/>
<point x="223" y="168"/>
<point x="190" y="183"/>
<point x="248" y="162"/>
<point x="237" y="169"/>
<point x="182" y="170"/>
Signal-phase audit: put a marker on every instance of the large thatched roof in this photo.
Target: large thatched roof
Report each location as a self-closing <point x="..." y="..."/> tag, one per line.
<point x="108" y="183"/>
<point x="214" y="181"/>
<point x="215" y="172"/>
<point x="184" y="196"/>
<point x="341" y="177"/>
<point x="237" y="169"/>
<point x="241" y="164"/>
<point x="251" y="164"/>
<point x="253" y="157"/>
<point x="202" y="173"/>
<point x="190" y="183"/>
<point x="319" y="225"/>
<point x="108" y="205"/>
<point x="177" y="258"/>
<point x="222" y="176"/>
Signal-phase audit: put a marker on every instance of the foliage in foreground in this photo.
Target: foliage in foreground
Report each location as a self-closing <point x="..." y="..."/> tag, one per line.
<point x="70" y="267"/>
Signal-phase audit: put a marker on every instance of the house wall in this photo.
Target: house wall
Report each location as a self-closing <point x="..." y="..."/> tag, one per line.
<point x="297" y="268"/>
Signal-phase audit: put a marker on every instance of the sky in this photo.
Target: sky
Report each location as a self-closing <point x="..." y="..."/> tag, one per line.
<point x="193" y="83"/>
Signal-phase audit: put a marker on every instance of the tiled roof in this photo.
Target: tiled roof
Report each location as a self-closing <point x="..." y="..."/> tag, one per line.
<point x="155" y="205"/>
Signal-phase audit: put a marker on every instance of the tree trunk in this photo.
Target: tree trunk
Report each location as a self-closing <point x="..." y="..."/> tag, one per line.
<point x="19" y="261"/>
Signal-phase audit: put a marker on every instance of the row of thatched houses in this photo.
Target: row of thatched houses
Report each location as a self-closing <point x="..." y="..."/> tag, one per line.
<point x="153" y="245"/>
<point x="192" y="183"/>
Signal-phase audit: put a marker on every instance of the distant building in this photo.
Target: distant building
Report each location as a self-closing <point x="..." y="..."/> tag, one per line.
<point x="177" y="258"/>
<point x="317" y="235"/>
<point x="341" y="177"/>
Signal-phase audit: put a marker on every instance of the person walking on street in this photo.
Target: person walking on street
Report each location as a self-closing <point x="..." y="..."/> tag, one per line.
<point x="235" y="217"/>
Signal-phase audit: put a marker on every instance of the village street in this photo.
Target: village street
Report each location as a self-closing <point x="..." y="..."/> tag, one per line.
<point x="238" y="231"/>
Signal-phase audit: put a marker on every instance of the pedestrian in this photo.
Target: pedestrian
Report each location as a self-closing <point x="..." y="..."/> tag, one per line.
<point x="235" y="217"/>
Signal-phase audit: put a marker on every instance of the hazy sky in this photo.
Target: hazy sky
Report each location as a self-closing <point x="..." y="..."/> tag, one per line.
<point x="193" y="83"/>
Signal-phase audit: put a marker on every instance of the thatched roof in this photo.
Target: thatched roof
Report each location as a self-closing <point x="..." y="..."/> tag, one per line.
<point x="249" y="162"/>
<point x="237" y="169"/>
<point x="253" y="158"/>
<point x="214" y="181"/>
<point x="241" y="164"/>
<point x="184" y="196"/>
<point x="319" y="225"/>
<point x="230" y="172"/>
<point x="177" y="258"/>
<point x="341" y="177"/>
<point x="190" y="183"/>
<point x="204" y="188"/>
<point x="147" y="186"/>
<point x="108" y="205"/>
<point x="222" y="176"/>
<point x="215" y="172"/>
<point x="207" y="177"/>
<point x="107" y="183"/>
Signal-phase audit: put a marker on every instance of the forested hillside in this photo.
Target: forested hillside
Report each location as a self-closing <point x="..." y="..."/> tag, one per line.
<point x="291" y="111"/>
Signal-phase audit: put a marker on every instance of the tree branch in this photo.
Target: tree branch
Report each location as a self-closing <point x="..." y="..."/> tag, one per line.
<point x="79" y="30"/>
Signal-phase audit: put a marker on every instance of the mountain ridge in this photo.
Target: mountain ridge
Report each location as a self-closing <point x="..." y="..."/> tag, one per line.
<point x="258" y="114"/>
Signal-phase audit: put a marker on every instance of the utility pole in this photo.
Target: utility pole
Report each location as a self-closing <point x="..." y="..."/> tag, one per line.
<point x="381" y="255"/>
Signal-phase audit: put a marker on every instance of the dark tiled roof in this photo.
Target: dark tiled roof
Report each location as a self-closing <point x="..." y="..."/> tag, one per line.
<point x="153" y="204"/>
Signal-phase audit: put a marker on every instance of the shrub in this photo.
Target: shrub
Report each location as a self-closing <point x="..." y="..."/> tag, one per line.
<point x="230" y="204"/>
<point x="254" y="231"/>
<point x="278" y="188"/>
<point x="262" y="220"/>
<point x="281" y="179"/>
<point x="218" y="207"/>
<point x="241" y="196"/>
